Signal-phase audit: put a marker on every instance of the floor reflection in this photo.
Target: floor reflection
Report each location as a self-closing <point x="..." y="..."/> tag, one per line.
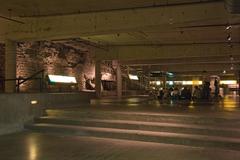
<point x="228" y="103"/>
<point x="32" y="147"/>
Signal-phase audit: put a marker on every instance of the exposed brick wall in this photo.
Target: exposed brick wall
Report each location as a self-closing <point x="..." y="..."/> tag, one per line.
<point x="56" y="58"/>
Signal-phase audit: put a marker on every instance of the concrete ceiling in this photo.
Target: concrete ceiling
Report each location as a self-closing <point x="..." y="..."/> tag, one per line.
<point x="151" y="23"/>
<point x="186" y="61"/>
<point x="186" y="67"/>
<point x="205" y="34"/>
<point x="29" y="8"/>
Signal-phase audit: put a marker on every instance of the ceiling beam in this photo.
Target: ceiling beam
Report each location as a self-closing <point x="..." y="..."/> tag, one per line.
<point x="191" y="68"/>
<point x="72" y="26"/>
<point x="168" y="52"/>
<point x="179" y="61"/>
<point x="199" y="77"/>
<point x="200" y="74"/>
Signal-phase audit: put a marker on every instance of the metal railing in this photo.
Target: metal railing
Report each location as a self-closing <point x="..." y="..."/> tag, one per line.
<point x="19" y="81"/>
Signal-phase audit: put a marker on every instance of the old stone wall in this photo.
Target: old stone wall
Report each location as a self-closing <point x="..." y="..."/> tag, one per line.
<point x="55" y="58"/>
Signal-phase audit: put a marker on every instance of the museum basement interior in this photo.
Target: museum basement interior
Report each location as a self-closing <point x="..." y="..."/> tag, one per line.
<point x="116" y="80"/>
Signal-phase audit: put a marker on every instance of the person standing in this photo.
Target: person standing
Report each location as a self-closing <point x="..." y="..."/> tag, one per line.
<point x="216" y="85"/>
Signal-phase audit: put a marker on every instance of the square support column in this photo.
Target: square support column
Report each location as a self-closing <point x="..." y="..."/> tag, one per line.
<point x="98" y="76"/>
<point x="10" y="65"/>
<point x="119" y="81"/>
<point x="239" y="84"/>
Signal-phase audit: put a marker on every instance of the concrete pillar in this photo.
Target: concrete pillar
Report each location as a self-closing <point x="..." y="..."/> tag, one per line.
<point x="165" y="82"/>
<point x="119" y="81"/>
<point x="239" y="84"/>
<point x="10" y="65"/>
<point x="98" y="76"/>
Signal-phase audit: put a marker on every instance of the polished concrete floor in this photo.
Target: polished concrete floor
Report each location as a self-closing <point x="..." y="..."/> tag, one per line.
<point x="229" y="103"/>
<point x="35" y="146"/>
<point x="38" y="146"/>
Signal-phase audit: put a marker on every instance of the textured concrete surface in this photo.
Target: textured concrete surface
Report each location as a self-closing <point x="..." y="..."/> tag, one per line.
<point x="32" y="146"/>
<point x="17" y="110"/>
<point x="37" y="146"/>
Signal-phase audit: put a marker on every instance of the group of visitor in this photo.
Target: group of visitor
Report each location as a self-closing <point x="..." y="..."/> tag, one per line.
<point x="189" y="93"/>
<point x="175" y="93"/>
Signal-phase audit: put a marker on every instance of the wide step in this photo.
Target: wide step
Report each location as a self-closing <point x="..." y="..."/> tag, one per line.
<point x="145" y="126"/>
<point x="149" y="117"/>
<point x="201" y="130"/>
<point x="139" y="135"/>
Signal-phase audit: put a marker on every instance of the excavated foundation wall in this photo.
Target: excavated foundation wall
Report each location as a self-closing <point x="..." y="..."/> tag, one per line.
<point x="58" y="59"/>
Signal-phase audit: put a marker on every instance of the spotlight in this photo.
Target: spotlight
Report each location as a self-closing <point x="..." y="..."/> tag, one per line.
<point x="229" y="38"/>
<point x="224" y="71"/>
<point x="34" y="102"/>
<point x="228" y="27"/>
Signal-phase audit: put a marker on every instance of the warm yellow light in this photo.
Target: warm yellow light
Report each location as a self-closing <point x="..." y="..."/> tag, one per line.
<point x="34" y="102"/>
<point x="178" y="82"/>
<point x="192" y="82"/>
<point x="32" y="149"/>
<point x="158" y="83"/>
<point x="62" y="79"/>
<point x="106" y="76"/>
<point x="187" y="82"/>
<point x="227" y="82"/>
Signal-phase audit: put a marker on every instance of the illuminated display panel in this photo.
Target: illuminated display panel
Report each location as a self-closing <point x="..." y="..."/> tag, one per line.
<point x="177" y="82"/>
<point x="62" y="79"/>
<point x="228" y="82"/>
<point x="192" y="82"/>
<point x="133" y="77"/>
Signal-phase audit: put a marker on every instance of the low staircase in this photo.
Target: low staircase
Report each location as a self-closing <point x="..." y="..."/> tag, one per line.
<point x="181" y="129"/>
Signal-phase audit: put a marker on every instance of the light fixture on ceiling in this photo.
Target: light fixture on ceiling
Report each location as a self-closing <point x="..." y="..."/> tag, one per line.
<point x="228" y="27"/>
<point x="169" y="74"/>
<point x="229" y="38"/>
<point x="232" y="64"/>
<point x="232" y="67"/>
